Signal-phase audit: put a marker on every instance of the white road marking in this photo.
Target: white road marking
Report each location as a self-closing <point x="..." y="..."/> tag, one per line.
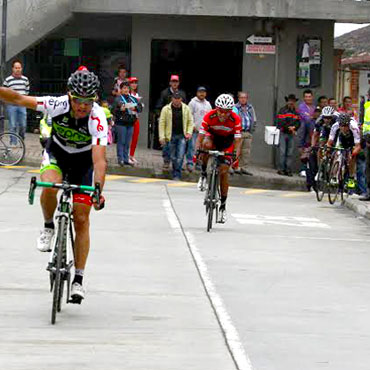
<point x="312" y="238"/>
<point x="234" y="344"/>
<point x="245" y="219"/>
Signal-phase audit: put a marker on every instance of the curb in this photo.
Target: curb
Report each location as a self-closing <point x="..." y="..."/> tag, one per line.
<point x="256" y="181"/>
<point x="358" y="207"/>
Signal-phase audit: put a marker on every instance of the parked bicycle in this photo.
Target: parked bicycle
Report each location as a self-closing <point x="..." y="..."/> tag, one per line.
<point x="12" y="148"/>
<point x="61" y="263"/>
<point x="212" y="200"/>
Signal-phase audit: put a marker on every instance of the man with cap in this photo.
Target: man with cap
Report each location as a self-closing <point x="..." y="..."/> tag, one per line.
<point x="175" y="128"/>
<point x="165" y="98"/>
<point x="288" y="122"/>
<point x="199" y="107"/>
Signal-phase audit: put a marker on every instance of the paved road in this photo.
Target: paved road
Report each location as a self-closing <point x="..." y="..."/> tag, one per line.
<point x="283" y="285"/>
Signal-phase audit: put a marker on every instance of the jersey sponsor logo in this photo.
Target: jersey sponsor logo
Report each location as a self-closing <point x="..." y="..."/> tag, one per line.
<point x="71" y="134"/>
<point x="99" y="127"/>
<point x="221" y="128"/>
<point x="55" y="103"/>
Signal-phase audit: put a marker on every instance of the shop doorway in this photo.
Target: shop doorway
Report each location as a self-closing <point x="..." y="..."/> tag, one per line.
<point x="217" y="65"/>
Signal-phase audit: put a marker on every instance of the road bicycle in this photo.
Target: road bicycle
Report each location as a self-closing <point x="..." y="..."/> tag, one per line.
<point x="12" y="148"/>
<point x="212" y="200"/>
<point x="339" y="175"/>
<point x="322" y="177"/>
<point x="61" y="262"/>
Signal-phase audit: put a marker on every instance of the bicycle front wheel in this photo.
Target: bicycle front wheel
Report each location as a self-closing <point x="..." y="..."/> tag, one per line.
<point x="333" y="188"/>
<point x="58" y="284"/>
<point x="12" y="149"/>
<point x="321" y="181"/>
<point x="212" y="188"/>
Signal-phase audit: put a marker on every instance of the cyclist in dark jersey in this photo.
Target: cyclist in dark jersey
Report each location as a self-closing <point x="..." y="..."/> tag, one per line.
<point x="76" y="150"/>
<point x="345" y="134"/>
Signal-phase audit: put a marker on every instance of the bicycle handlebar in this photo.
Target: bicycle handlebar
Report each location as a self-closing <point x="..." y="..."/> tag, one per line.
<point x="216" y="153"/>
<point x="64" y="186"/>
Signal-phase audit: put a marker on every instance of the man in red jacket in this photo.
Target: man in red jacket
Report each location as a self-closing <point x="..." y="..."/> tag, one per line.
<point x="288" y="122"/>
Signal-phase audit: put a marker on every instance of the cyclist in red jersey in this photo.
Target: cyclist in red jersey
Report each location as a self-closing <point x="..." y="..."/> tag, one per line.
<point x="220" y="130"/>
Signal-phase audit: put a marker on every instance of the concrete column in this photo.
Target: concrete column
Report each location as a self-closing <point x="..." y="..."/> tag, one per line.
<point x="140" y="64"/>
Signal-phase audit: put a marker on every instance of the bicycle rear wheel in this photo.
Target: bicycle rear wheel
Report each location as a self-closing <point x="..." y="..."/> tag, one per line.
<point x="58" y="281"/>
<point x="333" y="188"/>
<point x="12" y="149"/>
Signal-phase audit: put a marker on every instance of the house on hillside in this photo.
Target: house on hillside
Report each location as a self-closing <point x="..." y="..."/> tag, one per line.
<point x="353" y="73"/>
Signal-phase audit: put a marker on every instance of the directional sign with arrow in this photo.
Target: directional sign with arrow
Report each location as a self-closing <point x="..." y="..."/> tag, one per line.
<point x="259" y="39"/>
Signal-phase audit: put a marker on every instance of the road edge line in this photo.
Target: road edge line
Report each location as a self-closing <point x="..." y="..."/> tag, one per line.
<point x="229" y="332"/>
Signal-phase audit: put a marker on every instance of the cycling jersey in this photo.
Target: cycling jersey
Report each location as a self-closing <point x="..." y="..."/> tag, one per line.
<point x="345" y="140"/>
<point x="324" y="128"/>
<point x="213" y="126"/>
<point x="70" y="134"/>
<point x="69" y="148"/>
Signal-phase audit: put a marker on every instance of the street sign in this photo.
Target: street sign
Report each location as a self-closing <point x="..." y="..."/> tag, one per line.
<point x="260" y="49"/>
<point x="259" y="39"/>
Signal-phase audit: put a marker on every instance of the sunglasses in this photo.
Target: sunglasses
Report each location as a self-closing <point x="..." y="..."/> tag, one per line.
<point x="79" y="100"/>
<point x="224" y="111"/>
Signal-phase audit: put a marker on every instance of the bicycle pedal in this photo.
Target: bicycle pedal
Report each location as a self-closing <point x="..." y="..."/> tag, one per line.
<point x="75" y="299"/>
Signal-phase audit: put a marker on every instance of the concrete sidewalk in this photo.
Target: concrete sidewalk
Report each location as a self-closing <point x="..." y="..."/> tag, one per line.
<point x="150" y="165"/>
<point x="358" y="206"/>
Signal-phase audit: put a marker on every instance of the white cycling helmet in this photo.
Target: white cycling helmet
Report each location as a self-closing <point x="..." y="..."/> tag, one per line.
<point x="225" y="101"/>
<point x="327" y="111"/>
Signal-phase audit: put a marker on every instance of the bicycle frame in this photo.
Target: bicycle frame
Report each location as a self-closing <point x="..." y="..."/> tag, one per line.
<point x="61" y="260"/>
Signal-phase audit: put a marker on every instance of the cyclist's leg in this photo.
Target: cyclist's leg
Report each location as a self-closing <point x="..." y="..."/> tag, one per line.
<point x="50" y="172"/>
<point x="224" y="182"/>
<point x="81" y="215"/>
<point x="207" y="144"/>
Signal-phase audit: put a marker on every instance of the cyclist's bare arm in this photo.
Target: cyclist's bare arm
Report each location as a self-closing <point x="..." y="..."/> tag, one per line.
<point x="356" y="150"/>
<point x="100" y="164"/>
<point x="199" y="142"/>
<point x="238" y="146"/>
<point x="315" y="139"/>
<point x="12" y="97"/>
<point x="329" y="143"/>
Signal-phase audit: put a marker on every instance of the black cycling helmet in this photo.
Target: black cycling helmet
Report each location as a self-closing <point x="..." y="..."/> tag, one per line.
<point x="83" y="83"/>
<point x="344" y="120"/>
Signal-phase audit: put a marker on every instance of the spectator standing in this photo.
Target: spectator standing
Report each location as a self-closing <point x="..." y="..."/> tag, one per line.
<point x="199" y="107"/>
<point x="322" y="102"/>
<point x="175" y="127"/>
<point x="17" y="115"/>
<point x="288" y="122"/>
<point x="121" y="77"/>
<point x="248" y="120"/>
<point x="347" y="108"/>
<point x="306" y="111"/>
<point x="333" y="103"/>
<point x="366" y="137"/>
<point x="125" y="110"/>
<point x="165" y="99"/>
<point x="134" y="88"/>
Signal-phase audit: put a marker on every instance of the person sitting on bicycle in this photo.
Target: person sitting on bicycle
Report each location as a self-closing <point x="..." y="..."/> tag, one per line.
<point x="323" y="126"/>
<point x="75" y="150"/>
<point x="345" y="134"/>
<point x="220" y="130"/>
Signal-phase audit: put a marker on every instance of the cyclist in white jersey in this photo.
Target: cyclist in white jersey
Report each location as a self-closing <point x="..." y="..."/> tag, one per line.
<point x="76" y="150"/>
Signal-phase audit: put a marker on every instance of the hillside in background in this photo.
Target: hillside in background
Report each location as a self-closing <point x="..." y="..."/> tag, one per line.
<point x="354" y="43"/>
